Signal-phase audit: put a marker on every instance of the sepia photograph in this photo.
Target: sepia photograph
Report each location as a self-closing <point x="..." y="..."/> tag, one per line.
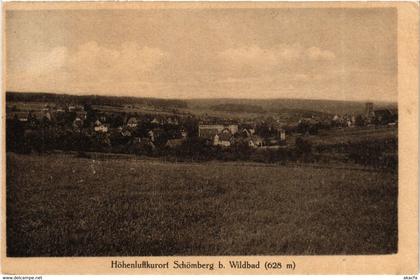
<point x="223" y="131"/>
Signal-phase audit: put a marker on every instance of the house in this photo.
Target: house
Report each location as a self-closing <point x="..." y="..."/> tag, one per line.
<point x="348" y="120"/>
<point x="77" y="123"/>
<point x="82" y="114"/>
<point x="309" y="126"/>
<point x="21" y="116"/>
<point x="125" y="133"/>
<point x="32" y="120"/>
<point x="247" y="132"/>
<point x="215" y="140"/>
<point x="151" y="135"/>
<point x="173" y="121"/>
<point x="272" y="143"/>
<point x="218" y="134"/>
<point x="100" y="127"/>
<point x="144" y="143"/>
<point x="210" y="130"/>
<point x="338" y="121"/>
<point x="224" y="139"/>
<point x="369" y="113"/>
<point x="46" y="112"/>
<point x="255" y="141"/>
<point x="154" y="134"/>
<point x="386" y="116"/>
<point x="184" y="134"/>
<point x="155" y="121"/>
<point x="132" y="122"/>
<point x="281" y="133"/>
<point x="172" y="143"/>
<point x="233" y="128"/>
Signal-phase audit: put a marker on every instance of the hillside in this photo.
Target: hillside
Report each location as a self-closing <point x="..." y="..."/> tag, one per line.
<point x="219" y="107"/>
<point x="92" y="99"/>
<point x="232" y="209"/>
<point x="281" y="105"/>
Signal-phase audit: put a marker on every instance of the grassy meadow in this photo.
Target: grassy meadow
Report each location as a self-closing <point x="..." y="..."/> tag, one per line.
<point x="62" y="205"/>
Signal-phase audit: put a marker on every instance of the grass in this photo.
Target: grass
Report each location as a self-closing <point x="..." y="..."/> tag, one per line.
<point x="61" y="205"/>
<point x="355" y="135"/>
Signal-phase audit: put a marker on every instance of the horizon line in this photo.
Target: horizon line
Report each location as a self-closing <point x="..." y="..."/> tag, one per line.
<point x="201" y="98"/>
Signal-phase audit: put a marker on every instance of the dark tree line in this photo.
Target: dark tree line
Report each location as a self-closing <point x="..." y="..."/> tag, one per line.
<point x="92" y="99"/>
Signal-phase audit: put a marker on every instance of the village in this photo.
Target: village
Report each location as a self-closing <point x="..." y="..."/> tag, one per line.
<point x="85" y="128"/>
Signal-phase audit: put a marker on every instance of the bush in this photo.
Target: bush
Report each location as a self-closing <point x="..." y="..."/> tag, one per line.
<point x="303" y="146"/>
<point x="379" y="154"/>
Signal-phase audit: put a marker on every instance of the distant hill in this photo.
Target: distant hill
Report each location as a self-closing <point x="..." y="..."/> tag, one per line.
<point x="284" y="105"/>
<point x="238" y="108"/>
<point x="92" y="99"/>
<point x="221" y="105"/>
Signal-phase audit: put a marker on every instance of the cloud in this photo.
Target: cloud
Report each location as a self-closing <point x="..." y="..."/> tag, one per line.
<point x="46" y="61"/>
<point x="315" y="53"/>
<point x="280" y="55"/>
<point x="250" y="55"/>
<point x="91" y="65"/>
<point x="126" y="63"/>
<point x="129" y="56"/>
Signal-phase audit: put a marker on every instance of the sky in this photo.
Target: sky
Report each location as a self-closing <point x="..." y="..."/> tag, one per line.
<point x="340" y="54"/>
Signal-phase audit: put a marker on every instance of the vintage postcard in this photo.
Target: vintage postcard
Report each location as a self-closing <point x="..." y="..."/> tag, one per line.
<point x="210" y="138"/>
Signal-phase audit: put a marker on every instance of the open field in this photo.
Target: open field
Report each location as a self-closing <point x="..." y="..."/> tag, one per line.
<point x="347" y="135"/>
<point x="61" y="205"/>
<point x="355" y="135"/>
